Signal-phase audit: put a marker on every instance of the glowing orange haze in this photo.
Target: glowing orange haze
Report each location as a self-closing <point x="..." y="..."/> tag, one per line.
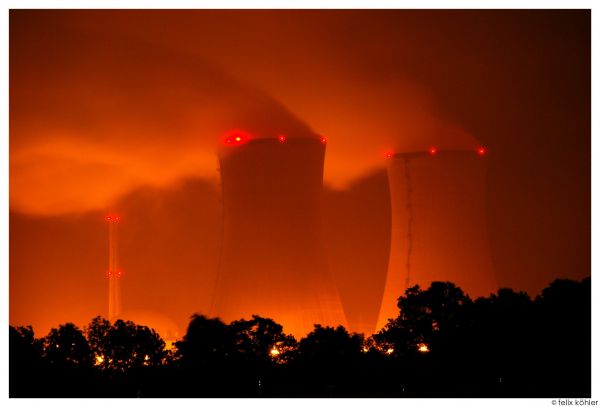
<point x="110" y="112"/>
<point x="125" y="110"/>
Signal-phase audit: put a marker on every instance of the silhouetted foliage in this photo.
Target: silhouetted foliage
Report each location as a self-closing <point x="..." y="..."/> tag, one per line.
<point x="563" y="337"/>
<point x="262" y="340"/>
<point x="67" y="347"/>
<point x="24" y="348"/>
<point x="441" y="343"/>
<point x="208" y="342"/>
<point x="124" y="345"/>
<point x="330" y="346"/>
<point x="327" y="362"/>
<point x="97" y="335"/>
<point x="433" y="317"/>
<point x="25" y="361"/>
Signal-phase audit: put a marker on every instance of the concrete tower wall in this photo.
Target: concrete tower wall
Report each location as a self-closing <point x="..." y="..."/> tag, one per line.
<point x="439" y="225"/>
<point x="273" y="259"/>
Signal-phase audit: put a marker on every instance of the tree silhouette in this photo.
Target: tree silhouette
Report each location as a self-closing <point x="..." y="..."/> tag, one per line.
<point x="210" y="361"/>
<point x="124" y="345"/>
<point x="430" y="339"/>
<point x="97" y="333"/>
<point x="501" y="342"/>
<point x="328" y="362"/>
<point x="25" y="362"/>
<point x="262" y="340"/>
<point x="24" y="347"/>
<point x="431" y="318"/>
<point x="563" y="338"/>
<point x="330" y="346"/>
<point x="207" y="342"/>
<point x="440" y="344"/>
<point x="67" y="347"/>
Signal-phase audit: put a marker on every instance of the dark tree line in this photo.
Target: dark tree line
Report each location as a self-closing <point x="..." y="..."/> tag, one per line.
<point x="441" y="344"/>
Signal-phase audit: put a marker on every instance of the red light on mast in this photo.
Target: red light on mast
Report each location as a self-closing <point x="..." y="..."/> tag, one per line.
<point x="323" y="140"/>
<point x="481" y="150"/>
<point x="432" y="151"/>
<point x="281" y="138"/>
<point x="389" y="154"/>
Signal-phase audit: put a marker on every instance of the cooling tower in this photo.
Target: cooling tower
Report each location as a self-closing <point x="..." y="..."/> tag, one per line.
<point x="273" y="260"/>
<point x="439" y="225"/>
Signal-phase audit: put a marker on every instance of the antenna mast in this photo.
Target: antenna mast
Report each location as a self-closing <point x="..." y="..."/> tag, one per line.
<point x="114" y="272"/>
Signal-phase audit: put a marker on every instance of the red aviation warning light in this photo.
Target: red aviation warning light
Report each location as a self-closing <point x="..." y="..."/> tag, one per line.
<point x="112" y="218"/>
<point x="323" y="140"/>
<point x="117" y="273"/>
<point x="389" y="154"/>
<point x="281" y="138"/>
<point x="432" y="151"/>
<point x="481" y="150"/>
<point x="236" y="138"/>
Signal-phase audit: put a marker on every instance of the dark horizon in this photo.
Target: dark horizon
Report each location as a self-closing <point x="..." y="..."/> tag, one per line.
<point x="440" y="344"/>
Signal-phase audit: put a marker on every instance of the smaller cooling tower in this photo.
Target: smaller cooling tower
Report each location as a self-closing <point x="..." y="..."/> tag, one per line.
<point x="439" y="225"/>
<point x="273" y="259"/>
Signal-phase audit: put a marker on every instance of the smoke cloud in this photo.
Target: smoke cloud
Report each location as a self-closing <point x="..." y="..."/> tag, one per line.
<point x="117" y="106"/>
<point x="105" y="116"/>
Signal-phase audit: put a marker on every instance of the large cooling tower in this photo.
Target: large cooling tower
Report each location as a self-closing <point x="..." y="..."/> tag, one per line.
<point x="439" y="226"/>
<point x="273" y="259"/>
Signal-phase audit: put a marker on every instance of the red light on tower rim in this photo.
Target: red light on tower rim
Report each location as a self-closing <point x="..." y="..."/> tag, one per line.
<point x="433" y="151"/>
<point x="323" y="140"/>
<point x="389" y="154"/>
<point x="281" y="138"/>
<point x="481" y="150"/>
<point x="235" y="138"/>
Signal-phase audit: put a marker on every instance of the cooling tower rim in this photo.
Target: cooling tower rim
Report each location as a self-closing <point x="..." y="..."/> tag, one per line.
<point x="280" y="139"/>
<point x="415" y="154"/>
<point x="286" y="139"/>
<point x="233" y="147"/>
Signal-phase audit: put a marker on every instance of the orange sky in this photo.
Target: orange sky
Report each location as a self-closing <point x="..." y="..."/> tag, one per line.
<point x="126" y="109"/>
